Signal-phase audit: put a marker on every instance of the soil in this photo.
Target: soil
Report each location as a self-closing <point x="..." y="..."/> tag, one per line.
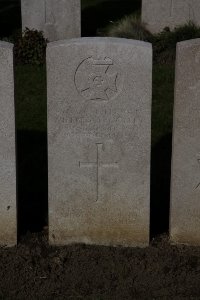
<point x="35" y="270"/>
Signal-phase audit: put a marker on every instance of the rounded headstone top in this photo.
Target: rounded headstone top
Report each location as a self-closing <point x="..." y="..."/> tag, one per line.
<point x="188" y="43"/>
<point x="91" y="40"/>
<point x="6" y="45"/>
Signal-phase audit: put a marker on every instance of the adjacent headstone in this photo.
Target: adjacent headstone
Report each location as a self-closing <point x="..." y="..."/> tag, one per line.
<point x="58" y="19"/>
<point x="8" y="226"/>
<point x="158" y="14"/>
<point x="99" y="127"/>
<point x="185" y="182"/>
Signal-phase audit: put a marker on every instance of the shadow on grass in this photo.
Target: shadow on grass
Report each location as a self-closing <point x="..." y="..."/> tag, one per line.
<point x="32" y="181"/>
<point x="160" y="186"/>
<point x="98" y="16"/>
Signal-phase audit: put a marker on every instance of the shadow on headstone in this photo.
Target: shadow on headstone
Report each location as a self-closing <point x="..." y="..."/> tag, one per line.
<point x="32" y="181"/>
<point x="160" y="186"/>
<point x="99" y="15"/>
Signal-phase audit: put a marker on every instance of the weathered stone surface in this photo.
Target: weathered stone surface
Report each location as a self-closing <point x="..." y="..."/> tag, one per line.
<point x="185" y="182"/>
<point x="57" y="19"/>
<point x="158" y="14"/>
<point x="8" y="227"/>
<point x="99" y="124"/>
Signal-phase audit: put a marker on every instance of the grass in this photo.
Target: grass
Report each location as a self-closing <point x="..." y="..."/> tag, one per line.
<point x="162" y="101"/>
<point x="30" y="92"/>
<point x="31" y="125"/>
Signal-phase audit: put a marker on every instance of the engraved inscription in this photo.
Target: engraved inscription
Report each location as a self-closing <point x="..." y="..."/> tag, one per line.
<point x="98" y="79"/>
<point x="98" y="164"/>
<point x="197" y="58"/>
<point x="97" y="121"/>
<point x="49" y="17"/>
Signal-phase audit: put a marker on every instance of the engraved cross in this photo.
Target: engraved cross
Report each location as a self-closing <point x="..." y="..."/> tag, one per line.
<point x="98" y="165"/>
<point x="197" y="186"/>
<point x="45" y="11"/>
<point x="191" y="10"/>
<point x="49" y="17"/>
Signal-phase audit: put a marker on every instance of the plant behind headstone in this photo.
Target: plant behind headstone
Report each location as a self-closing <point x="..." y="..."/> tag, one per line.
<point x="129" y="27"/>
<point x="164" y="43"/>
<point x="30" y="47"/>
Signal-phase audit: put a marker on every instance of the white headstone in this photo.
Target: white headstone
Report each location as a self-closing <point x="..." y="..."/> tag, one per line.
<point x="158" y="14"/>
<point x="99" y="127"/>
<point x="185" y="182"/>
<point x="8" y="226"/>
<point x="58" y="19"/>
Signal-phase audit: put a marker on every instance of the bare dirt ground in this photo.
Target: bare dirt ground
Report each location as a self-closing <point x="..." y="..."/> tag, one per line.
<point x="34" y="270"/>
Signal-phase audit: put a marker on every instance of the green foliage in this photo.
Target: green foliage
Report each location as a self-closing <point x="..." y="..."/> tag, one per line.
<point x="129" y="27"/>
<point x="30" y="47"/>
<point x="164" y="43"/>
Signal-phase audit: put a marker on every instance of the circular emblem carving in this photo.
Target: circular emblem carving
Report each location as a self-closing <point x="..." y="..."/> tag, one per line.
<point x="98" y="79"/>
